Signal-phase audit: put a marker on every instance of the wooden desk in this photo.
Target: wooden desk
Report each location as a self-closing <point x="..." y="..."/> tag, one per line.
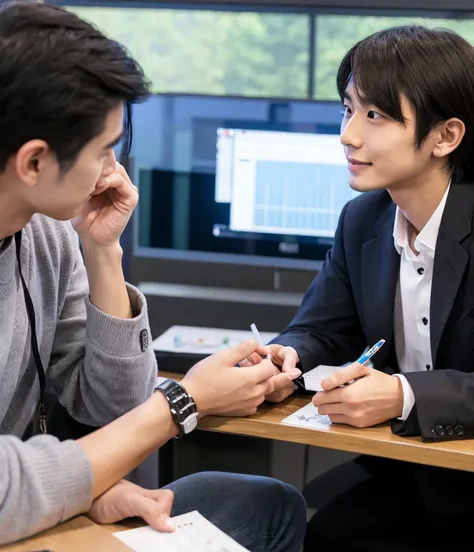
<point x="77" y="535"/>
<point x="376" y="441"/>
<point x="81" y="534"/>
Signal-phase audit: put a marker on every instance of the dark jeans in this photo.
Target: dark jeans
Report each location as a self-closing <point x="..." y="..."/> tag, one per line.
<point x="260" y="513"/>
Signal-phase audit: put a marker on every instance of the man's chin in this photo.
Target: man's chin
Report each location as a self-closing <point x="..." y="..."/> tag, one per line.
<point x="359" y="185"/>
<point x="71" y="214"/>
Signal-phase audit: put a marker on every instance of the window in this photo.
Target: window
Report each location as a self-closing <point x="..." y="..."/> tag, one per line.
<point x="249" y="53"/>
<point x="212" y="52"/>
<point x="335" y="34"/>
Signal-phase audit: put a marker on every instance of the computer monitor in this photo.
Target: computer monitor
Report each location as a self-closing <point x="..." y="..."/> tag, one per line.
<point x="238" y="180"/>
<point x="284" y="184"/>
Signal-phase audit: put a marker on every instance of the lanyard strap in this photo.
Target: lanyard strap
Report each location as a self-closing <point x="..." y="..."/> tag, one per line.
<point x="34" y="341"/>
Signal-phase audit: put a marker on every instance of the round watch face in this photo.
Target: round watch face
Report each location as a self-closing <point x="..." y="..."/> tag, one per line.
<point x="190" y="422"/>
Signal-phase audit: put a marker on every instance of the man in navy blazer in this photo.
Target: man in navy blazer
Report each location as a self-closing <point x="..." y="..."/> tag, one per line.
<point x="351" y="304"/>
<point x="401" y="269"/>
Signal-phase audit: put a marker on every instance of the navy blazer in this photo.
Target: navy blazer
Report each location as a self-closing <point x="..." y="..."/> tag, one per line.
<point x="350" y="305"/>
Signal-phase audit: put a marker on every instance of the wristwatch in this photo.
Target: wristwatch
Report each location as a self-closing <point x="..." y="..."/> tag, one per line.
<point x="182" y="406"/>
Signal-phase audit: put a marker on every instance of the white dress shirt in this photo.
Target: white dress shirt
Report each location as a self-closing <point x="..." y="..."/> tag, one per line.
<point x="413" y="299"/>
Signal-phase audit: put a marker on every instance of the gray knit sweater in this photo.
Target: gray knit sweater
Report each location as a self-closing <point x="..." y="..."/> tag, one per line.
<point x="93" y="360"/>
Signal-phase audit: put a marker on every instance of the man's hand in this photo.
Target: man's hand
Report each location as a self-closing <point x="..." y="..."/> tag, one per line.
<point x="373" y="398"/>
<point x="125" y="500"/>
<point x="106" y="214"/>
<point x="220" y="387"/>
<point x="286" y="359"/>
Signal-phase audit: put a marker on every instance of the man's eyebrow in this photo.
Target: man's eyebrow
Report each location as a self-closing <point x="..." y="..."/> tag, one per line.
<point x="360" y="98"/>
<point x="114" y="142"/>
<point x="347" y="96"/>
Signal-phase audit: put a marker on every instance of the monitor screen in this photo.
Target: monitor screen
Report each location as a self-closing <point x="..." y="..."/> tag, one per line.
<point x="238" y="180"/>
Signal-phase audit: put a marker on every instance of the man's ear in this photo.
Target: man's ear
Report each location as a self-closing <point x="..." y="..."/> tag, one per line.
<point x="29" y="159"/>
<point x="449" y="135"/>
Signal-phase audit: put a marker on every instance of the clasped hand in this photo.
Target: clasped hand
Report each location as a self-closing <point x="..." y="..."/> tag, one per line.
<point x="221" y="388"/>
<point x="373" y="398"/>
<point x="284" y="360"/>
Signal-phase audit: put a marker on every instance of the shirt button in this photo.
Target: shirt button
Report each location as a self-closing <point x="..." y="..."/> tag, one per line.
<point x="425" y="321"/>
<point x="421" y="271"/>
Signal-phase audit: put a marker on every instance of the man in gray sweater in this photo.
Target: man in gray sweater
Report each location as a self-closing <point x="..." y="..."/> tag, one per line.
<point x="78" y="326"/>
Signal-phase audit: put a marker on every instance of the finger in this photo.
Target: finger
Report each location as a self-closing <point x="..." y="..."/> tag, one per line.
<point x="263" y="351"/>
<point x="276" y="356"/>
<point x="152" y="512"/>
<point x="345" y="375"/>
<point x="116" y="180"/>
<point x="340" y="419"/>
<point x="262" y="372"/>
<point x="280" y="395"/>
<point x="290" y="359"/>
<point x="164" y="497"/>
<point x="245" y="408"/>
<point x="123" y="176"/>
<point x="121" y="170"/>
<point x="282" y="381"/>
<point x="265" y="388"/>
<point x="332" y="409"/>
<point x="165" y="500"/>
<point x="329" y="397"/>
<point x="274" y="386"/>
<point x="234" y="355"/>
<point x="251" y="360"/>
<point x="101" y="186"/>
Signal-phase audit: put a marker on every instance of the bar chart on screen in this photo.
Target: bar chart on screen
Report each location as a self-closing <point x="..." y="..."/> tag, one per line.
<point x="300" y="198"/>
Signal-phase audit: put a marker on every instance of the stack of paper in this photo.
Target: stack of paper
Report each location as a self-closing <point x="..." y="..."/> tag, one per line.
<point x="313" y="378"/>
<point x="193" y="533"/>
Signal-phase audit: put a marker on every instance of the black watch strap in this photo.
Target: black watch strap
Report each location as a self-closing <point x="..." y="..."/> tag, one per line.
<point x="182" y="406"/>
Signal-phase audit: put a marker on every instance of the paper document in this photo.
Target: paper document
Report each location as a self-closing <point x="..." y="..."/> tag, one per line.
<point x="309" y="417"/>
<point x="194" y="533"/>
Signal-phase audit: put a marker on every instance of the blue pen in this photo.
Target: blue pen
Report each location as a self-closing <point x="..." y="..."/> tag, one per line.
<point x="371" y="352"/>
<point x="366" y="356"/>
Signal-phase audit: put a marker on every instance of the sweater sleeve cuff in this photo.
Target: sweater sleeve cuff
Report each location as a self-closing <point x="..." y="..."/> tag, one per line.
<point x="122" y="337"/>
<point x="72" y="484"/>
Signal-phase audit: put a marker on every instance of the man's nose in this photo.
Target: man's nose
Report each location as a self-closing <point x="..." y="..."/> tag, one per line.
<point x="351" y="134"/>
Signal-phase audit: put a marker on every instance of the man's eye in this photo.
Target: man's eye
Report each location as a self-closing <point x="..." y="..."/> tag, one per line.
<point x="346" y="112"/>
<point x="371" y="114"/>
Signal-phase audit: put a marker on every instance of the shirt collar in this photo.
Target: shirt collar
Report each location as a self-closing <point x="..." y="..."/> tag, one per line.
<point x="429" y="234"/>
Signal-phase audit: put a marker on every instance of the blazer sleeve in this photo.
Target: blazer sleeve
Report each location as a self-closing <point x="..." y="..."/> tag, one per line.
<point x="326" y="327"/>
<point x="444" y="409"/>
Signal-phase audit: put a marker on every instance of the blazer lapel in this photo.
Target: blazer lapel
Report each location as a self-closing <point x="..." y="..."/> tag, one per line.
<point x="451" y="258"/>
<point x="380" y="270"/>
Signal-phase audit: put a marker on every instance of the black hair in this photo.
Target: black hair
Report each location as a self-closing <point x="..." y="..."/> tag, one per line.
<point x="432" y="68"/>
<point x="59" y="78"/>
